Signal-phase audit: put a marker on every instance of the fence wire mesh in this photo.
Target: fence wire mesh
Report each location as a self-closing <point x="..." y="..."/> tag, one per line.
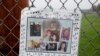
<point x="10" y="20"/>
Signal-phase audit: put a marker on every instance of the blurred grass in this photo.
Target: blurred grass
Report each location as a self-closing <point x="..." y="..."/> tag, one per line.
<point x="90" y="35"/>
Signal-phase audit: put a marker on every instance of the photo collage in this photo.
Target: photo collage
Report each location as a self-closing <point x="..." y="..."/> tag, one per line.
<point x="49" y="35"/>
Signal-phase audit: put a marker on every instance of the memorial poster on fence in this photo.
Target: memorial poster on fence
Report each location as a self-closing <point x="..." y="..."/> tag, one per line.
<point x="49" y="32"/>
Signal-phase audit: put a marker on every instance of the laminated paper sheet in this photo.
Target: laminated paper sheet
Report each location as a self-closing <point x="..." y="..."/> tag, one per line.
<point x="49" y="33"/>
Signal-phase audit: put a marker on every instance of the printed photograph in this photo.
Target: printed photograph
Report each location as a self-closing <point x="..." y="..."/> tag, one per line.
<point x="35" y="29"/>
<point x="51" y="30"/>
<point x="62" y="46"/>
<point x="36" y="45"/>
<point x="65" y="33"/>
<point x="51" y="47"/>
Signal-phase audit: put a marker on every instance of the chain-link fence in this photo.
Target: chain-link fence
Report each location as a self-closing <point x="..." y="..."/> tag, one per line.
<point x="10" y="17"/>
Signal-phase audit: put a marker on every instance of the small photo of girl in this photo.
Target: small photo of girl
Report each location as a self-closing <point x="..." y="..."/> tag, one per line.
<point x="62" y="46"/>
<point x="47" y="35"/>
<point x="54" y="37"/>
<point x="65" y="35"/>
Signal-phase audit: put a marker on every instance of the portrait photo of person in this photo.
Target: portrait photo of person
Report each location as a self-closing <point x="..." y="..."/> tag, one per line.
<point x="47" y="35"/>
<point x="35" y="29"/>
<point x="54" y="25"/>
<point x="62" y="46"/>
<point x="65" y="35"/>
<point x="51" y="30"/>
<point x="54" y="37"/>
<point x="51" y="47"/>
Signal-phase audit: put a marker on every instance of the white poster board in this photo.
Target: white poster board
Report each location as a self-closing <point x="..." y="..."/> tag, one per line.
<point x="49" y="33"/>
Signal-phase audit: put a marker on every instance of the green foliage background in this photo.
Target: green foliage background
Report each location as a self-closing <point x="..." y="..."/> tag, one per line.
<point x="90" y="35"/>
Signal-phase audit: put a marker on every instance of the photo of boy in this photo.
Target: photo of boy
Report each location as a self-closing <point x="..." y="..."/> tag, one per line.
<point x="35" y="29"/>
